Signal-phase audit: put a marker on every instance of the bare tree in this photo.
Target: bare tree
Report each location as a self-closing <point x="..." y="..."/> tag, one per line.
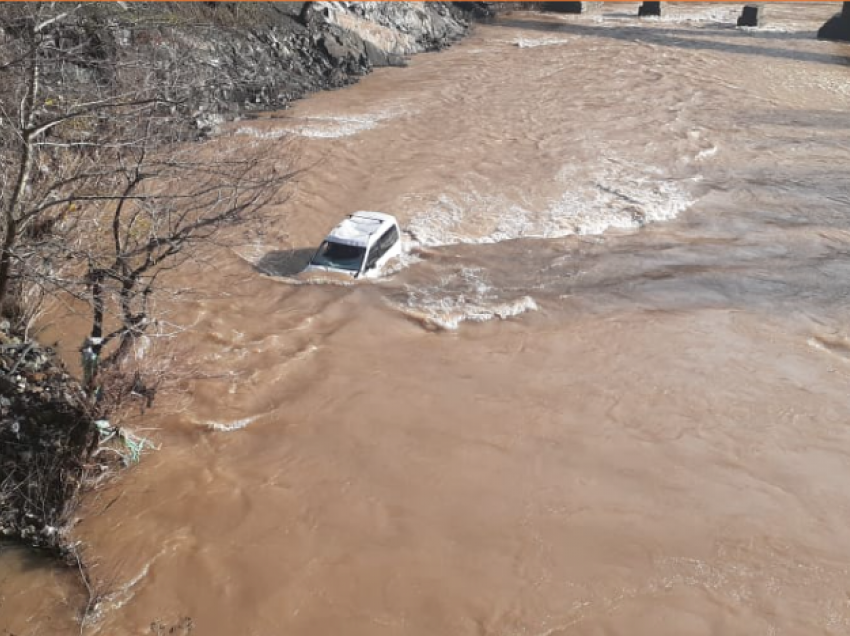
<point x="164" y="210"/>
<point x="61" y="90"/>
<point x="101" y="189"/>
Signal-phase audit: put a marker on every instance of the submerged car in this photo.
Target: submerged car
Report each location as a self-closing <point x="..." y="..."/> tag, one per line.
<point x="359" y="246"/>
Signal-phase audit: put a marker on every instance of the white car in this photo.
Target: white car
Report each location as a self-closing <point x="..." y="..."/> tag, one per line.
<point x="359" y="246"/>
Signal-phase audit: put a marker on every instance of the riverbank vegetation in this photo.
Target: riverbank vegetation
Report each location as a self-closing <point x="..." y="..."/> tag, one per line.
<point x="102" y="192"/>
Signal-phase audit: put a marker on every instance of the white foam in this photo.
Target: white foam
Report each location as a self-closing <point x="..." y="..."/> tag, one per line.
<point x="334" y="127"/>
<point x="462" y="296"/>
<point x="402" y="261"/>
<point x="233" y="425"/>
<point x="622" y="195"/>
<point x="276" y="133"/>
<point x="325" y="126"/>
<point x="449" y="313"/>
<point x="706" y="153"/>
<point x="531" y="43"/>
<point x="452" y="318"/>
<point x="314" y="278"/>
<point x="475" y="219"/>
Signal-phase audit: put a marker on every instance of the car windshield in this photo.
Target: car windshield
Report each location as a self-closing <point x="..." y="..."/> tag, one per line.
<point x="341" y="256"/>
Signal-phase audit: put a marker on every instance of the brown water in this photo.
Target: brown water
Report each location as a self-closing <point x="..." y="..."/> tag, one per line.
<point x="606" y="392"/>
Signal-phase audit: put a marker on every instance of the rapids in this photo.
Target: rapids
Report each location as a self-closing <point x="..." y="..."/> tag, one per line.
<point x="606" y="391"/>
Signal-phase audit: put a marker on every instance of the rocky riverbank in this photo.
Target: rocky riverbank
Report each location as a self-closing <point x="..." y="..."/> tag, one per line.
<point x="47" y="437"/>
<point x="265" y="55"/>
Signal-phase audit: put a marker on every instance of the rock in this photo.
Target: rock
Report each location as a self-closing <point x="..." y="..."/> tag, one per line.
<point x="751" y="15"/>
<point x="267" y="54"/>
<point x="292" y="9"/>
<point x="649" y="9"/>
<point x="837" y="28"/>
<point x="477" y="9"/>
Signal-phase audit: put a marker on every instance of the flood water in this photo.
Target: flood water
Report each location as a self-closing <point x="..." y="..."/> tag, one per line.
<point x="606" y="390"/>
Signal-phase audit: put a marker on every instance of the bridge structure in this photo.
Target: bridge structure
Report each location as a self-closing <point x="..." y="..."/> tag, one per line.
<point x="836" y="28"/>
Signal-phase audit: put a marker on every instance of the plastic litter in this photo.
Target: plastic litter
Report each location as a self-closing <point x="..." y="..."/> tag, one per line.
<point x="131" y="445"/>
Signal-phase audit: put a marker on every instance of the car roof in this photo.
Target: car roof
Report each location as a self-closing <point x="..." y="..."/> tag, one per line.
<point x="361" y="229"/>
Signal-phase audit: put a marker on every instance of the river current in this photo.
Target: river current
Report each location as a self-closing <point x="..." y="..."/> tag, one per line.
<point x="605" y="391"/>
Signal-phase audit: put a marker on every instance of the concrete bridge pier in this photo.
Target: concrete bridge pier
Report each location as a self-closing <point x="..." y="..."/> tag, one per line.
<point x="572" y="7"/>
<point x="751" y="16"/>
<point x="649" y="9"/>
<point x="838" y="26"/>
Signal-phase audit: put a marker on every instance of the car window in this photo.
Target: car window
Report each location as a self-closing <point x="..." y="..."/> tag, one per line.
<point x="390" y="238"/>
<point x="375" y="253"/>
<point x="382" y="246"/>
<point x="339" y="255"/>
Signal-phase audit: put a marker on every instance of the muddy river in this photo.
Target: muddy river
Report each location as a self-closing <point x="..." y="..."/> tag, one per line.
<point x="606" y="390"/>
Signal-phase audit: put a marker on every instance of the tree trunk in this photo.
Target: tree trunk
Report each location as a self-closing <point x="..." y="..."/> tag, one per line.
<point x="6" y="258"/>
<point x="11" y="212"/>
